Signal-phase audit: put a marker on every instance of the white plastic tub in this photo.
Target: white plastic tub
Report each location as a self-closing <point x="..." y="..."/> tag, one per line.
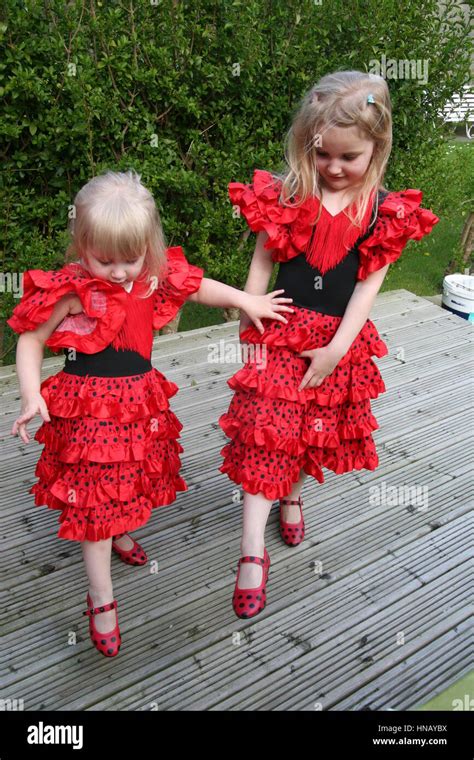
<point x="458" y="295"/>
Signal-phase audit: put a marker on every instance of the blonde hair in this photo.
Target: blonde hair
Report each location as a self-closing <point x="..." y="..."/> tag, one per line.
<point x="338" y="100"/>
<point x="116" y="216"/>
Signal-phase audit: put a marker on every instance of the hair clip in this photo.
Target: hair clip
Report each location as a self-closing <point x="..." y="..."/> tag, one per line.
<point x="370" y="98"/>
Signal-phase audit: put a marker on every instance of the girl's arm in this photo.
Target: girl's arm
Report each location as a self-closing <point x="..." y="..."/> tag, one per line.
<point x="254" y="301"/>
<point x="29" y="359"/>
<point x="259" y="275"/>
<point x="357" y="311"/>
<point x="324" y="360"/>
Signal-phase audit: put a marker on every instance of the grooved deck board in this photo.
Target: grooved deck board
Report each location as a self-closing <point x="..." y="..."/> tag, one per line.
<point x="372" y="611"/>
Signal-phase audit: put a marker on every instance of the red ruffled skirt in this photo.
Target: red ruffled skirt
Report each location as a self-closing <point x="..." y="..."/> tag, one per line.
<point x="110" y="452"/>
<point x="276" y="430"/>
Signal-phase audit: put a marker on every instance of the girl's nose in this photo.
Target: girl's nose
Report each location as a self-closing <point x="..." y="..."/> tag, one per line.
<point x="334" y="170"/>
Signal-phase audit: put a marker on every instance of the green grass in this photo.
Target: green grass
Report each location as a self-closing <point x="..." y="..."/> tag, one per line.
<point x="422" y="265"/>
<point x="195" y="315"/>
<point x="459" y="695"/>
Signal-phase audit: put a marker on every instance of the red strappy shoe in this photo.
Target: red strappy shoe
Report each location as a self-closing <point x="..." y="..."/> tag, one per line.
<point x="107" y="644"/>
<point x="134" y="556"/>
<point x="292" y="533"/>
<point x="248" y="602"/>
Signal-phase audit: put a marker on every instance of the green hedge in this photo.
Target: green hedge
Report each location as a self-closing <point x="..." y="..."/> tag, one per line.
<point x="194" y="95"/>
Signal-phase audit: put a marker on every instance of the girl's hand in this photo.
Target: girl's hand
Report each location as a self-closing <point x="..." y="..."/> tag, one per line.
<point x="243" y="324"/>
<point x="323" y="362"/>
<point x="268" y="306"/>
<point x="31" y="405"/>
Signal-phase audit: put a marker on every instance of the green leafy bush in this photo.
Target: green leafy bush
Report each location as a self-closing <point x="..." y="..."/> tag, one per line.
<point x="193" y="96"/>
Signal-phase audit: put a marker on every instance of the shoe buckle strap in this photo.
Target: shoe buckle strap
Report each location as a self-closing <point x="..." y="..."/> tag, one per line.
<point x="255" y="560"/>
<point x="292" y="501"/>
<point x="103" y="608"/>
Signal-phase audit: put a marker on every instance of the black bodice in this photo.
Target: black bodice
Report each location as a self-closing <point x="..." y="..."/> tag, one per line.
<point x="110" y="362"/>
<point x="329" y="293"/>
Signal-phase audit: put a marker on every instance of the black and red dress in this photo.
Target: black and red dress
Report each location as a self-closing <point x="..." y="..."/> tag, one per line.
<point x="110" y="452"/>
<point x="275" y="429"/>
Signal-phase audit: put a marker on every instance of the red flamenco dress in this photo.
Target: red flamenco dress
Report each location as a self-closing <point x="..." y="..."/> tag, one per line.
<point x="110" y="452"/>
<point x="275" y="429"/>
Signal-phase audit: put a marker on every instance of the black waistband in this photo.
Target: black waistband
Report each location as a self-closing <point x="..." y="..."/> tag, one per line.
<point x="107" y="363"/>
<point x="329" y="293"/>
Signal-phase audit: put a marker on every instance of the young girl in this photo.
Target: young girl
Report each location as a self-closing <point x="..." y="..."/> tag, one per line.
<point x="110" y="439"/>
<point x="334" y="230"/>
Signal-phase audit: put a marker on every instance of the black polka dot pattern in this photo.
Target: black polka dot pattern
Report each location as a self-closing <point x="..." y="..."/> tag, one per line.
<point x="110" y="452"/>
<point x="251" y="601"/>
<point x="276" y="430"/>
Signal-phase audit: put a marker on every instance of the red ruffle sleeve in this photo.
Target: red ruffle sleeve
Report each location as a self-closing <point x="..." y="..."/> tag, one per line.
<point x="400" y="218"/>
<point x="288" y="229"/>
<point x="90" y="331"/>
<point x="181" y="280"/>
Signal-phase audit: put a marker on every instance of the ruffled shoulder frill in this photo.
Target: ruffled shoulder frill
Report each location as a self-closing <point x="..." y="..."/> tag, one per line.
<point x="400" y="218"/>
<point x="288" y="229"/>
<point x="182" y="279"/>
<point x="103" y="303"/>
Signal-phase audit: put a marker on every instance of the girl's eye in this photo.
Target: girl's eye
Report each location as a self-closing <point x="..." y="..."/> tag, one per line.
<point x="346" y="158"/>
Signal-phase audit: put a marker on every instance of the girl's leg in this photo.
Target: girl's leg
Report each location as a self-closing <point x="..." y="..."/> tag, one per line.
<point x="291" y="512"/>
<point x="255" y="516"/>
<point x="97" y="560"/>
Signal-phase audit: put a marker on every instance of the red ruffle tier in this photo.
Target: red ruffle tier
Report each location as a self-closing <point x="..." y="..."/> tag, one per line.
<point x="110" y="452"/>
<point x="277" y="430"/>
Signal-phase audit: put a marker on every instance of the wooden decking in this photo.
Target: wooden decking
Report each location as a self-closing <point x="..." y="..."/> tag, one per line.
<point x="372" y="611"/>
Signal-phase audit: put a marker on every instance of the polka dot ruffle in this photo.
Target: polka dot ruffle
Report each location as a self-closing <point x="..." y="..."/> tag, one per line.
<point x="110" y="452"/>
<point x="276" y="430"/>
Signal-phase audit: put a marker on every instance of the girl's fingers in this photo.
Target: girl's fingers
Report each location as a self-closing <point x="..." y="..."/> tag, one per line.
<point x="25" y="417"/>
<point x="285" y="308"/>
<point x="24" y="433"/>
<point x="304" y="381"/>
<point x="19" y="426"/>
<point x="45" y="414"/>
<point x="310" y="380"/>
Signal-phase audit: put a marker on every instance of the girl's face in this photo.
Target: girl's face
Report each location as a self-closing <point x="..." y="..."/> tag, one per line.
<point x="343" y="157"/>
<point x="116" y="271"/>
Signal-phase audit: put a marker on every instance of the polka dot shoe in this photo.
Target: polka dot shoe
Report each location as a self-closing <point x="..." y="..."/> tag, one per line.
<point x="248" y="602"/>
<point x="292" y="533"/>
<point x="109" y="643"/>
<point x="134" y="556"/>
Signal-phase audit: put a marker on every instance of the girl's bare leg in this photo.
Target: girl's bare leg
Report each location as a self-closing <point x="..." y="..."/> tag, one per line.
<point x="255" y="516"/>
<point x="291" y="512"/>
<point x="97" y="560"/>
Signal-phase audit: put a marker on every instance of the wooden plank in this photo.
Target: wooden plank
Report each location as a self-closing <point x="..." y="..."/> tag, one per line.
<point x="385" y="569"/>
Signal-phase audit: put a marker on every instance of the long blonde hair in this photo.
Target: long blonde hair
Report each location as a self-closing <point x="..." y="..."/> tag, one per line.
<point x="115" y="215"/>
<point x="338" y="100"/>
